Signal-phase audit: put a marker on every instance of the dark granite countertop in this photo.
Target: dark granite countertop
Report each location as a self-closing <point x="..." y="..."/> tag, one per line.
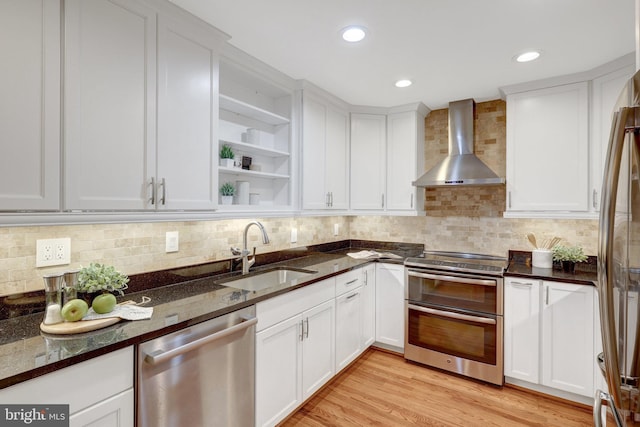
<point x="586" y="273"/>
<point x="180" y="297"/>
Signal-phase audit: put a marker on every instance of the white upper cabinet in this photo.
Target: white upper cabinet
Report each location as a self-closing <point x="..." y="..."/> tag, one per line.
<point x="368" y="161"/>
<point x="30" y="105"/>
<point x="557" y="139"/>
<point x="187" y="164"/>
<point x="325" y="154"/>
<point x="405" y="160"/>
<point x="109" y="104"/>
<point x="605" y="91"/>
<point x="387" y="155"/>
<point x="255" y="121"/>
<point x="114" y="158"/>
<point x="548" y="149"/>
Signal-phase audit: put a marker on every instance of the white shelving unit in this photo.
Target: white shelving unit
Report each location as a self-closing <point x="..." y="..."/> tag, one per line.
<point x="247" y="102"/>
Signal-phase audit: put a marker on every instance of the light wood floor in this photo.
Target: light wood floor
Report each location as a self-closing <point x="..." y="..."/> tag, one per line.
<point x="382" y="389"/>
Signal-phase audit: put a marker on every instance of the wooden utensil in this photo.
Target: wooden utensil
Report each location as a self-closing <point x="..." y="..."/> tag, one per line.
<point x="532" y="240"/>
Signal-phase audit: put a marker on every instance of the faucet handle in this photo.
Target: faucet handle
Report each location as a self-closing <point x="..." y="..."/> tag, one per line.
<point x="236" y="251"/>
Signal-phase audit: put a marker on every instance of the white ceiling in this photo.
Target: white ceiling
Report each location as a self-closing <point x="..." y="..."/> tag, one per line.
<point x="451" y="49"/>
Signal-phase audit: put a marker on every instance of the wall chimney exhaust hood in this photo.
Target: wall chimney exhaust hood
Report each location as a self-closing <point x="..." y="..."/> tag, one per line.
<point x="461" y="166"/>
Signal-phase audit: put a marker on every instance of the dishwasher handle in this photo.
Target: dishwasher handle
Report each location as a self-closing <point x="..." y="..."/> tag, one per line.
<point x="156" y="359"/>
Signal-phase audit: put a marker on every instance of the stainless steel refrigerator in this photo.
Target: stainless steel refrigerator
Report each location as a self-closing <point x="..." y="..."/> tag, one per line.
<point x="619" y="265"/>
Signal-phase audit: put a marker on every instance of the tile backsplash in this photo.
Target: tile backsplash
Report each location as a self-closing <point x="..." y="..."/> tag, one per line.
<point x="140" y="247"/>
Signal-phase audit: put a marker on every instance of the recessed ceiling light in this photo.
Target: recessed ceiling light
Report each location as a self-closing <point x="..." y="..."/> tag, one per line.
<point x="527" y="56"/>
<point x="353" y="33"/>
<point x="403" y="83"/>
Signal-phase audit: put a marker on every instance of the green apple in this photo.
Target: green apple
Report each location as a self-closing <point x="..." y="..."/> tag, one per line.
<point x="103" y="303"/>
<point x="74" y="310"/>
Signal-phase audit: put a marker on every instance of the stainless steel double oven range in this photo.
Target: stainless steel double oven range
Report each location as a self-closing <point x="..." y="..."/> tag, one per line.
<point x="453" y="313"/>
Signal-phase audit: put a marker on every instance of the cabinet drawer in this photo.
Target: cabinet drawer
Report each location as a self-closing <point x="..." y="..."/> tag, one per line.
<point x="100" y="378"/>
<point x="348" y="281"/>
<point x="282" y="307"/>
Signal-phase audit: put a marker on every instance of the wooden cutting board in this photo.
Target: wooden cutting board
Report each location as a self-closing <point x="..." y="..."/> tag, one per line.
<point x="67" y="328"/>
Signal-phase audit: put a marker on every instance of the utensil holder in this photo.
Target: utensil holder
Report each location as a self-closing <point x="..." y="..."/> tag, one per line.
<point x="542" y="258"/>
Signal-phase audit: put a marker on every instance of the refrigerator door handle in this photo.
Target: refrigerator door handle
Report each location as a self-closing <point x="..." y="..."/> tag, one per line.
<point x="599" y="398"/>
<point x="605" y="252"/>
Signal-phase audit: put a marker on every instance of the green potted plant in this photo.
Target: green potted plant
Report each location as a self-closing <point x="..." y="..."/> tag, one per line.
<point x="226" y="156"/>
<point x="226" y="193"/>
<point x="99" y="283"/>
<point x="568" y="256"/>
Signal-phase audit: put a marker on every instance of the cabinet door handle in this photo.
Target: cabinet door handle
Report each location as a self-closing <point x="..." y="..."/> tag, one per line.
<point x="383" y="200"/>
<point x="350" y="282"/>
<point x="164" y="191"/>
<point x="412" y="201"/>
<point x="301" y="330"/>
<point x="509" y="199"/>
<point x="327" y="201"/>
<point x="331" y="198"/>
<point x="153" y="191"/>
<point x="366" y="277"/>
<point x="351" y="296"/>
<point x="306" y="334"/>
<point x="547" y="296"/>
<point x="595" y="196"/>
<point x="528" y="285"/>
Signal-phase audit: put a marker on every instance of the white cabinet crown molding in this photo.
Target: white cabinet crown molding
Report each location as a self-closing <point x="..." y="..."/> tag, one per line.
<point x="568" y="78"/>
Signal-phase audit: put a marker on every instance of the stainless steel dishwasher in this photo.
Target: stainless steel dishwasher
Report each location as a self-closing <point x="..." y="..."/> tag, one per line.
<point x="199" y="376"/>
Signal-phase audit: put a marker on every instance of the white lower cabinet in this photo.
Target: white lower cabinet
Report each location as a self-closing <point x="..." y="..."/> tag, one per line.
<point x="306" y="336"/>
<point x="549" y="335"/>
<point x="390" y="305"/>
<point x="522" y="329"/>
<point x="295" y="353"/>
<point x="368" y="305"/>
<point x="114" y="411"/>
<point x="568" y="337"/>
<point x="108" y="402"/>
<point x="348" y="327"/>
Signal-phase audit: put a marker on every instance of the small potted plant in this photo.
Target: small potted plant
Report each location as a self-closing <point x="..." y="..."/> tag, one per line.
<point x="99" y="283"/>
<point x="226" y="193"/>
<point x="568" y="256"/>
<point x="226" y="156"/>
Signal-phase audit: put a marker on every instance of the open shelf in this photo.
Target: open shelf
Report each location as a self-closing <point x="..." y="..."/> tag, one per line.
<point x="253" y="148"/>
<point x="258" y="174"/>
<point x="248" y="110"/>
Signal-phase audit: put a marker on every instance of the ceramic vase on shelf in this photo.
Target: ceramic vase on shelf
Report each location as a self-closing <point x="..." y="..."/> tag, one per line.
<point x="227" y="163"/>
<point x="242" y="192"/>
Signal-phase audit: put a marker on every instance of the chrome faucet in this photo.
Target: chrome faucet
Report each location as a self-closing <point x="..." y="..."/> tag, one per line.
<point x="244" y="254"/>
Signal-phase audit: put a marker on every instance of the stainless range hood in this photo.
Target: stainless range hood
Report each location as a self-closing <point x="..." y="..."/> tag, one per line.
<point x="461" y="166"/>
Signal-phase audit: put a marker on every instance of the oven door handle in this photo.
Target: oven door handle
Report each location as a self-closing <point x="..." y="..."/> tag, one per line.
<point x="452" y="315"/>
<point x="414" y="273"/>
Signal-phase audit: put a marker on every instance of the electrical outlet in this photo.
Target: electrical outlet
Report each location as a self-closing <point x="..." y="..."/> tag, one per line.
<point x="171" y="241"/>
<point x="51" y="252"/>
<point x="336" y="229"/>
<point x="294" y="235"/>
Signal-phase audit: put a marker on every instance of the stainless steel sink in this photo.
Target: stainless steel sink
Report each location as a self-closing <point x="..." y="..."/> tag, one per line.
<point x="269" y="278"/>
